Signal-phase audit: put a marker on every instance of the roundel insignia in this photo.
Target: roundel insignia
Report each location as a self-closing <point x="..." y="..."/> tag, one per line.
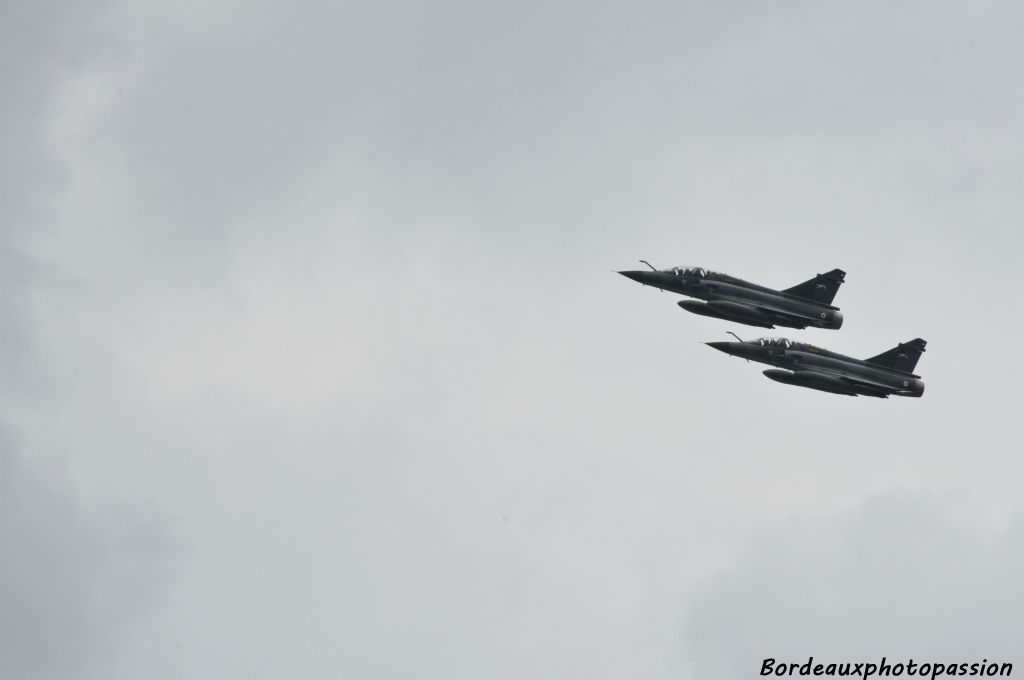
<point x="823" y="315"/>
<point x="906" y="383"/>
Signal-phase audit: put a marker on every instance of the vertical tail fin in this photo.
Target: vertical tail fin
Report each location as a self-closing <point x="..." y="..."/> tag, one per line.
<point x="902" y="358"/>
<point x="822" y="288"/>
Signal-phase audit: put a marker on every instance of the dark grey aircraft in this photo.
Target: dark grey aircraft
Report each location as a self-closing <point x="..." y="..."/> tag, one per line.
<point x="889" y="373"/>
<point x="732" y="299"/>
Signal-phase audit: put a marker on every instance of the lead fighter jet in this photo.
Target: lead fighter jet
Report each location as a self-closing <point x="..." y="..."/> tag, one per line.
<point x="732" y="299"/>
<point x="889" y="373"/>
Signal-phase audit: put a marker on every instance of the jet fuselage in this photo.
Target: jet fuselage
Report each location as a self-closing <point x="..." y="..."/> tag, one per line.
<point x="809" y="366"/>
<point x="727" y="297"/>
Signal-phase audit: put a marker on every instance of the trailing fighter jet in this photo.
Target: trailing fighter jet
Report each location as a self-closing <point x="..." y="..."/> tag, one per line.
<point x="889" y="373"/>
<point x="732" y="299"/>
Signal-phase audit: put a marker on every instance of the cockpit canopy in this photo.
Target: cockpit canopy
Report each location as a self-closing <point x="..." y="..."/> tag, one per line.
<point x="688" y="271"/>
<point x="775" y="342"/>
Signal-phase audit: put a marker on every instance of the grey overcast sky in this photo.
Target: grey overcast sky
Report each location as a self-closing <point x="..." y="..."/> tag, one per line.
<point x="313" y="364"/>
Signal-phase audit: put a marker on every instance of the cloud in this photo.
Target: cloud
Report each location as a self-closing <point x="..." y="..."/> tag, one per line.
<point x="905" y="575"/>
<point x="77" y="565"/>
<point x="325" y="292"/>
<point x="73" y="577"/>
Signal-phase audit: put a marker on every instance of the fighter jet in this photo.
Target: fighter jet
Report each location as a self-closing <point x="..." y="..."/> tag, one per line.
<point x="889" y="373"/>
<point x="732" y="299"/>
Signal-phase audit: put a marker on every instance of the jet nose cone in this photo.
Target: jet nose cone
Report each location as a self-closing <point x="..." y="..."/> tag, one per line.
<point x="636" y="276"/>
<point x="721" y="346"/>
